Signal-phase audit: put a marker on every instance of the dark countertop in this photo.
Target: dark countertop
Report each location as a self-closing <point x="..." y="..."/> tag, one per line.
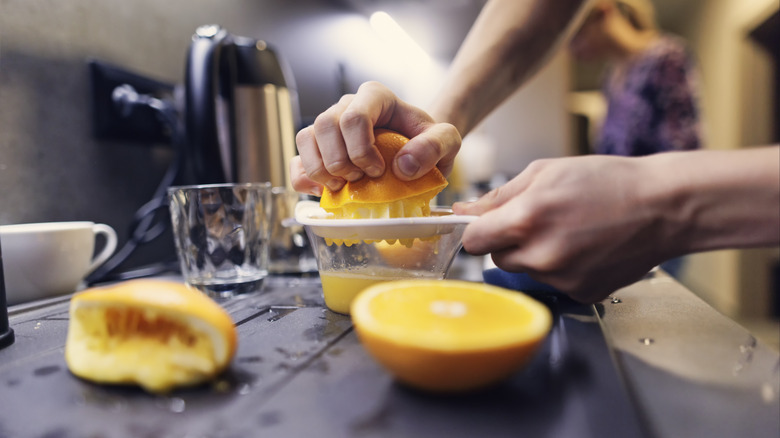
<point x="656" y="362"/>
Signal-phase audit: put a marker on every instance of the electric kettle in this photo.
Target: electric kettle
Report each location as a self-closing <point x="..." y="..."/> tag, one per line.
<point x="241" y="115"/>
<point x="241" y="110"/>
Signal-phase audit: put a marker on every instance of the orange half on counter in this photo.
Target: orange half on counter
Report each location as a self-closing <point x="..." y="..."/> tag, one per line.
<point x="157" y="334"/>
<point x="449" y="335"/>
<point x="385" y="196"/>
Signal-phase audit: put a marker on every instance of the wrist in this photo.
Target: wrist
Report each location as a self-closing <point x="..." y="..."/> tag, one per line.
<point x="446" y="110"/>
<point x="671" y="201"/>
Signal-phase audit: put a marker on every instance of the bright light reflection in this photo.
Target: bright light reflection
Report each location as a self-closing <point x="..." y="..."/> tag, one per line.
<point x="398" y="41"/>
<point x="377" y="52"/>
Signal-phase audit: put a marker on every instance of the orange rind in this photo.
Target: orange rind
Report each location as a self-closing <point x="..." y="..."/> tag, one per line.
<point x="449" y="335"/>
<point x="384" y="196"/>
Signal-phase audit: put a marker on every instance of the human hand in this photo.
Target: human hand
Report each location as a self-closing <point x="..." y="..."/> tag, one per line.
<point x="584" y="225"/>
<point x="338" y="147"/>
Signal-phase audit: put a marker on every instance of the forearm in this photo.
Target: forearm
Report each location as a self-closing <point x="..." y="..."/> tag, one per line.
<point x="718" y="199"/>
<point x="510" y="40"/>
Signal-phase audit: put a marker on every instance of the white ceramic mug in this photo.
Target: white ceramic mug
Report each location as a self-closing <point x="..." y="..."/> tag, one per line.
<point x="47" y="259"/>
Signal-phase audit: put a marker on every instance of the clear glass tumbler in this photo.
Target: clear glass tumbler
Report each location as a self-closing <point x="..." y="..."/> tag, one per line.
<point x="291" y="252"/>
<point x="221" y="233"/>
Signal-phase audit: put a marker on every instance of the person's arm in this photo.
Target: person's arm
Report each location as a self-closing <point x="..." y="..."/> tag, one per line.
<point x="510" y="40"/>
<point x="508" y="43"/>
<point x="720" y="199"/>
<point x="590" y="225"/>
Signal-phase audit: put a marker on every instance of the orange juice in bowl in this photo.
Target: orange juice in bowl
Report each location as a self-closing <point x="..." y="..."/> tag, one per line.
<point x="346" y="269"/>
<point x="340" y="288"/>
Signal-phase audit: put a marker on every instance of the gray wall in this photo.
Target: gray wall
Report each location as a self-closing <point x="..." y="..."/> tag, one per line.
<point x="51" y="169"/>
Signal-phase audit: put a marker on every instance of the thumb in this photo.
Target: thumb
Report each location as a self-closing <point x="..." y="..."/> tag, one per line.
<point x="436" y="146"/>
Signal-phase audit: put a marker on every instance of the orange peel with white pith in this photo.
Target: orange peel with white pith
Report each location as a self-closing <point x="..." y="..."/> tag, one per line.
<point x="154" y="333"/>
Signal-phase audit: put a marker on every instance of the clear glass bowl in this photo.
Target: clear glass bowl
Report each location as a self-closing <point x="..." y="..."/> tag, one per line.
<point x="353" y="254"/>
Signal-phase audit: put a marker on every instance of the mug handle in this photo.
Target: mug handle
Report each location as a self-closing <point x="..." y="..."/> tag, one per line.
<point x="108" y="248"/>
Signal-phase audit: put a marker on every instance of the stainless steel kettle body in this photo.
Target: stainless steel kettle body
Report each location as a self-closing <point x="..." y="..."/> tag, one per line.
<point x="241" y="110"/>
<point x="240" y="115"/>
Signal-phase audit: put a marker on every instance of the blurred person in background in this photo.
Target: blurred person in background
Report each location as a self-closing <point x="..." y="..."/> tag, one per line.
<point x="650" y="85"/>
<point x="584" y="225"/>
<point x="651" y="81"/>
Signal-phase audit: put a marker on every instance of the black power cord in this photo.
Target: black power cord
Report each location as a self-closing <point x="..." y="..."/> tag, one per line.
<point x="151" y="219"/>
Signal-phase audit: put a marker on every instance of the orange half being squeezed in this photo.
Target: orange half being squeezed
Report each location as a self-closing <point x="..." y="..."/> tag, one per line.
<point x="385" y="196"/>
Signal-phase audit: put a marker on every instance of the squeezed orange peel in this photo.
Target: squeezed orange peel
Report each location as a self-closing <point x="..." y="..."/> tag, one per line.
<point x="157" y="334"/>
<point x="385" y="196"/>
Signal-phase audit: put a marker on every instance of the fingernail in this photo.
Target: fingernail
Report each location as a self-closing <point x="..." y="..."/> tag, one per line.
<point x="374" y="171"/>
<point x="460" y="205"/>
<point x="335" y="184"/>
<point x="354" y="176"/>
<point x="463" y="206"/>
<point x="408" y="165"/>
<point x="316" y="191"/>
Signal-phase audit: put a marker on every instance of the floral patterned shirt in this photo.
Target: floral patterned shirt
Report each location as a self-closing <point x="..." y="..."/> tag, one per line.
<point x="652" y="103"/>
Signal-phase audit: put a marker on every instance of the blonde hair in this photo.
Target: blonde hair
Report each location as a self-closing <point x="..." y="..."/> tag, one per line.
<point x="640" y="13"/>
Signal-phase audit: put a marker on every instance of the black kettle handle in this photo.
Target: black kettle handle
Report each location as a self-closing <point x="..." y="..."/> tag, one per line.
<point x="208" y="75"/>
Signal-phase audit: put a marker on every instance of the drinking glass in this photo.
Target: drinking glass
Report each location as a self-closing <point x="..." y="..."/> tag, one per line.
<point x="290" y="249"/>
<point x="221" y="233"/>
